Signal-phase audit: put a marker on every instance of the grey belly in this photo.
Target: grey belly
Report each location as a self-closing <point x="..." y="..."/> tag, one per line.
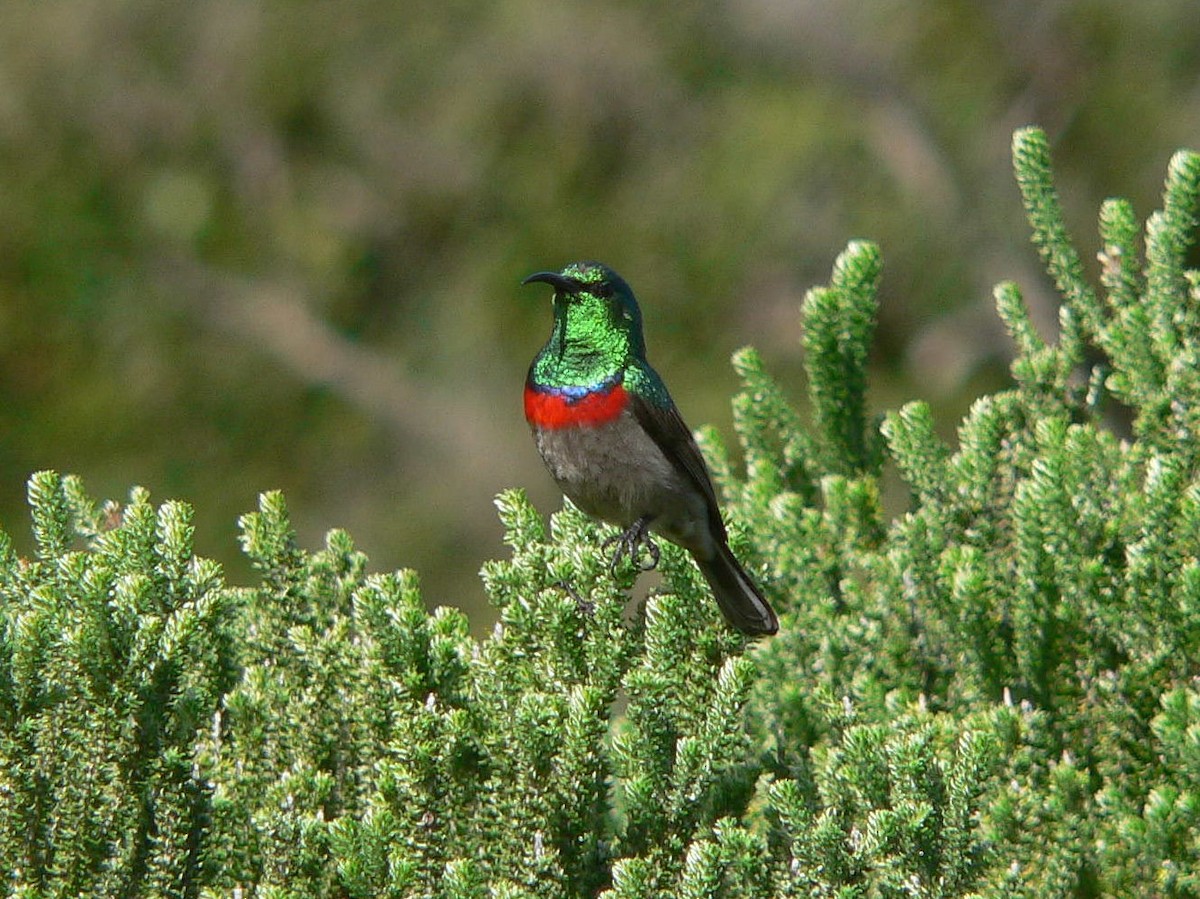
<point x="617" y="473"/>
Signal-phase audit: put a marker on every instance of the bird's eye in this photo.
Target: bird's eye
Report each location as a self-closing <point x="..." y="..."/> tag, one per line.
<point x="603" y="290"/>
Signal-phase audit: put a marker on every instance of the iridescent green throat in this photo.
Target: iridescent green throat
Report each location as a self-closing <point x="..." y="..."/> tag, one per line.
<point x="586" y="347"/>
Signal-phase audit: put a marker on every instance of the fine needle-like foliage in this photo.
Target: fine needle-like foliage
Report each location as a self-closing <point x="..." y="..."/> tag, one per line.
<point x="997" y="693"/>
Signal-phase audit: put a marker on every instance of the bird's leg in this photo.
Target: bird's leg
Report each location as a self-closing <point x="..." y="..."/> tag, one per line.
<point x="630" y="543"/>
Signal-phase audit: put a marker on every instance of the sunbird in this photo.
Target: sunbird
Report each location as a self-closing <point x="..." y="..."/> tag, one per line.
<point x="615" y="443"/>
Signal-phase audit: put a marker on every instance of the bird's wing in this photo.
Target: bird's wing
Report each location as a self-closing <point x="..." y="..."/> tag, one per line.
<point x="666" y="428"/>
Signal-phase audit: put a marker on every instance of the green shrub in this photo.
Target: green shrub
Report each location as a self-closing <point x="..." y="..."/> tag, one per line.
<point x="995" y="694"/>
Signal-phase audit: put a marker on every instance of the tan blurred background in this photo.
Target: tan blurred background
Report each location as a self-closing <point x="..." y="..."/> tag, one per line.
<point x="251" y="245"/>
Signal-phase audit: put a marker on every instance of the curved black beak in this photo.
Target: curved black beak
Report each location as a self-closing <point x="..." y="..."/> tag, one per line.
<point x="560" y="283"/>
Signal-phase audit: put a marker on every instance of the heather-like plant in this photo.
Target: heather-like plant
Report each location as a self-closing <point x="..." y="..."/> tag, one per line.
<point x="993" y="694"/>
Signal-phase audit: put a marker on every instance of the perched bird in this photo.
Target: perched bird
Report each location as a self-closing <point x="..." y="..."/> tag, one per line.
<point x="615" y="443"/>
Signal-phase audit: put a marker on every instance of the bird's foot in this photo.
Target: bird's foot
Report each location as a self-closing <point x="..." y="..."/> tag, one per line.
<point x="630" y="544"/>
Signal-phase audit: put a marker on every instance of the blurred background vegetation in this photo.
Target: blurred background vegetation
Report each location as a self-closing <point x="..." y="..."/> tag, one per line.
<point x="250" y="245"/>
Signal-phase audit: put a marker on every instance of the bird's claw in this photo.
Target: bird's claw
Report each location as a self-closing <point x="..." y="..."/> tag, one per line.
<point x="630" y="543"/>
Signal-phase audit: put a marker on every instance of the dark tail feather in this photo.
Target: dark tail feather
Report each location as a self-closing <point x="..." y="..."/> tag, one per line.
<point x="741" y="603"/>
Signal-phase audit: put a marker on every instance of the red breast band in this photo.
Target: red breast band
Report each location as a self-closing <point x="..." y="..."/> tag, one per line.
<point x="552" y="409"/>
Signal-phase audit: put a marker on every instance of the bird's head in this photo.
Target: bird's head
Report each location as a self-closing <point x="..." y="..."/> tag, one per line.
<point x="593" y="305"/>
